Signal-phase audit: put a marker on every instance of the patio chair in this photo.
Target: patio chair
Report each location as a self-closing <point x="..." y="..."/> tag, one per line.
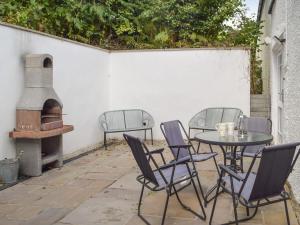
<point x="172" y="131"/>
<point x="255" y="124"/>
<point x="264" y="187"/>
<point x="169" y="177"/>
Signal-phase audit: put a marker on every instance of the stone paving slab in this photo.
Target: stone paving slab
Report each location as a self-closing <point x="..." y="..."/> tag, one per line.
<point x="48" y="216"/>
<point x="101" y="189"/>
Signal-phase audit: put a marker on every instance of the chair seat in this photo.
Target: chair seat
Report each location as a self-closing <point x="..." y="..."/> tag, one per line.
<point x="202" y="156"/>
<point x="181" y="172"/>
<point x="237" y="185"/>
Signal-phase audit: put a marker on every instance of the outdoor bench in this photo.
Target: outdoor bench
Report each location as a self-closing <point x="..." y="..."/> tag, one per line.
<point x="207" y="119"/>
<point x="126" y="120"/>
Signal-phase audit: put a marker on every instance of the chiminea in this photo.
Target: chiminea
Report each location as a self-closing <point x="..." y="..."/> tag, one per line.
<point x="39" y="123"/>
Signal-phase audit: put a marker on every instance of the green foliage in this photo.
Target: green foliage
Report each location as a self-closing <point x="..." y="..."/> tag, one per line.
<point x="128" y="24"/>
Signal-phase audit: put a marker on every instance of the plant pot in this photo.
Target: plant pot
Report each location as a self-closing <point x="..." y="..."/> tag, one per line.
<point x="9" y="170"/>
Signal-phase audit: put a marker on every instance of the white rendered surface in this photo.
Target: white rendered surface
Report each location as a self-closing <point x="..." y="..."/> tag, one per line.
<point x="80" y="80"/>
<point x="173" y="84"/>
<point x="178" y="84"/>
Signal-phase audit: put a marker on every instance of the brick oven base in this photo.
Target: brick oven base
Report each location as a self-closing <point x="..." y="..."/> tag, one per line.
<point x="39" y="152"/>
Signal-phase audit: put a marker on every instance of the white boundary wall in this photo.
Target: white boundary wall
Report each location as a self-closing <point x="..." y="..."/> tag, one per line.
<point x="173" y="84"/>
<point x="178" y="84"/>
<point x="80" y="80"/>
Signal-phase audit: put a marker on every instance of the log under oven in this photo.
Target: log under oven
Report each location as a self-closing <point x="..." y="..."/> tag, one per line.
<point x="39" y="118"/>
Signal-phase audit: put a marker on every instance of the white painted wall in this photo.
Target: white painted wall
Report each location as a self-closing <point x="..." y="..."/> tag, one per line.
<point x="172" y="84"/>
<point x="178" y="84"/>
<point x="80" y="80"/>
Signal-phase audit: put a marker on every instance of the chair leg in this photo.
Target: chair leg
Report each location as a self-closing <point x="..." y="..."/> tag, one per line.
<point x="151" y="136"/>
<point x="243" y="219"/>
<point x="233" y="201"/>
<point x="242" y="164"/>
<point x="198" y="148"/>
<point x="105" y="145"/>
<point x="145" y="135"/>
<point x="215" y="202"/>
<point x="199" y="200"/>
<point x="140" y="203"/>
<point x="203" y="216"/>
<point x="286" y="212"/>
<point x="200" y="187"/>
<point x="166" y="207"/>
<point x="215" y="161"/>
<point x="247" y="211"/>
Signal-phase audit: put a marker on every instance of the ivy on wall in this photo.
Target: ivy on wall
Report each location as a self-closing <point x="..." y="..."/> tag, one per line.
<point x="140" y="24"/>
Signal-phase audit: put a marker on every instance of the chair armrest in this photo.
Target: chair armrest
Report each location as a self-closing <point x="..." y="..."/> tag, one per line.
<point x="259" y="151"/>
<point x="156" y="151"/>
<point x="230" y="172"/>
<point x="175" y="162"/>
<point x="180" y="146"/>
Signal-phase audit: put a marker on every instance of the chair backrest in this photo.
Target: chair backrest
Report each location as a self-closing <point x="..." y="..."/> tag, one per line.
<point x="258" y="124"/>
<point x="173" y="135"/>
<point x="209" y="117"/>
<point x="138" y="150"/>
<point x="275" y="166"/>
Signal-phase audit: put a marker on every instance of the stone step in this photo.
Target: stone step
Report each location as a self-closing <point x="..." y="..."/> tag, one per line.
<point x="259" y="109"/>
<point x="260" y="114"/>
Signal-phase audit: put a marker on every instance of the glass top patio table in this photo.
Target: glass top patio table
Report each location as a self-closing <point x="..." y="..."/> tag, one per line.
<point x="251" y="138"/>
<point x="231" y="143"/>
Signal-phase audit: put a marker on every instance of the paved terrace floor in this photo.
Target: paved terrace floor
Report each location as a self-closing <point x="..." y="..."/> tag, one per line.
<point x="100" y="188"/>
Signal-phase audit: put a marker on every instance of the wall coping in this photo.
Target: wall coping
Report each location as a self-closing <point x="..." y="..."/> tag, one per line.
<point x="51" y="36"/>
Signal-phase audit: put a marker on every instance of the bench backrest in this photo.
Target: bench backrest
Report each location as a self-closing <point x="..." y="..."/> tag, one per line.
<point x="122" y="120"/>
<point x="208" y="118"/>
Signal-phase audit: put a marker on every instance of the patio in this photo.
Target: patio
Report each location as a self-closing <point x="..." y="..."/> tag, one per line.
<point x="100" y="188"/>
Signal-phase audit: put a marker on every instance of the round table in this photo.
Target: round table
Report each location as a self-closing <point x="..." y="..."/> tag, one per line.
<point x="233" y="141"/>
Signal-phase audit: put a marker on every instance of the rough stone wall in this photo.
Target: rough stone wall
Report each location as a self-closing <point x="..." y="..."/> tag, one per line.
<point x="292" y="92"/>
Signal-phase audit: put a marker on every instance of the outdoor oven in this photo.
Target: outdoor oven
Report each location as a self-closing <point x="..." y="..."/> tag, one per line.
<point x="39" y="118"/>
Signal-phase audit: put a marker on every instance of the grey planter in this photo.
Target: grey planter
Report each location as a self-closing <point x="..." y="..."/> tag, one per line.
<point x="9" y="170"/>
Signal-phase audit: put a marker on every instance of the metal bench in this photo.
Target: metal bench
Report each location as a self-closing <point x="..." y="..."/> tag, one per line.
<point x="126" y="120"/>
<point x="207" y="119"/>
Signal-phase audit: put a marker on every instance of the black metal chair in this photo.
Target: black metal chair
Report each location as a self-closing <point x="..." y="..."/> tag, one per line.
<point x="172" y="131"/>
<point x="266" y="186"/>
<point x="169" y="177"/>
<point x="254" y="124"/>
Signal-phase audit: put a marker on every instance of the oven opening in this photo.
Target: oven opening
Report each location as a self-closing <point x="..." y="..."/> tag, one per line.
<point x="51" y="116"/>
